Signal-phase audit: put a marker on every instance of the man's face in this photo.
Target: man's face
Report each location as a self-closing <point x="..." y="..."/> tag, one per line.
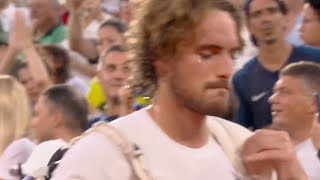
<point x="114" y="72"/>
<point x="266" y="22"/>
<point x="42" y="122"/>
<point x="107" y="37"/>
<point x="200" y="71"/>
<point x="310" y="27"/>
<point x="290" y="102"/>
<point x="33" y="90"/>
<point x="41" y="11"/>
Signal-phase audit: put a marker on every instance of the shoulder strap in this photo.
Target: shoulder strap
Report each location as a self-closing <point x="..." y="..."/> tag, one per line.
<point x="131" y="151"/>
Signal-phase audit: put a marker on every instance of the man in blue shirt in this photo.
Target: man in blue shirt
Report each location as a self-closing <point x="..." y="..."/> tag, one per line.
<point x="254" y="82"/>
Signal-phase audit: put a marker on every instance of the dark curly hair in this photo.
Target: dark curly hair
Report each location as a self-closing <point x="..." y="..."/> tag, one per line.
<point x="160" y="27"/>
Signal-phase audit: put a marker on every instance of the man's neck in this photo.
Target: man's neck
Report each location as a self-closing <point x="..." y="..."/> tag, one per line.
<point x="179" y="122"/>
<point x="67" y="135"/>
<point x="273" y="57"/>
<point x="300" y="133"/>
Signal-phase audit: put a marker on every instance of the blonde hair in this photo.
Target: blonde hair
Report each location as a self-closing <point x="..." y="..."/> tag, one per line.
<point x="15" y="111"/>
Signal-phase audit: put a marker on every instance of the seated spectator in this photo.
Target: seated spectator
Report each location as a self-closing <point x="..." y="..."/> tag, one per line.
<point x="15" y="114"/>
<point x="113" y="73"/>
<point x="58" y="62"/>
<point x="45" y="16"/>
<point x="293" y="108"/>
<point x="60" y="115"/>
<point x="311" y="23"/>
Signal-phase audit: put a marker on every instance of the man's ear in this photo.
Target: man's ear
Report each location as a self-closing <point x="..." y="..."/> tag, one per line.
<point x="162" y="68"/>
<point x="314" y="105"/>
<point x="57" y="119"/>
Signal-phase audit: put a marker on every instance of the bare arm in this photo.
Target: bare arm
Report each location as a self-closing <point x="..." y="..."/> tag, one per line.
<point x="76" y="40"/>
<point x="8" y="60"/>
<point x="21" y="40"/>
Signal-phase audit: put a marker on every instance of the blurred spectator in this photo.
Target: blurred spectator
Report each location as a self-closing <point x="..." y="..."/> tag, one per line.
<point x="15" y="116"/>
<point x="58" y="62"/>
<point x="249" y="50"/>
<point x="92" y="17"/>
<point x="109" y="33"/>
<point x="113" y="74"/>
<point x="111" y="6"/>
<point x="311" y="23"/>
<point x="32" y="73"/>
<point x="294" y="19"/>
<point x="254" y="82"/>
<point x="293" y="107"/>
<point x="60" y="115"/>
<point x="45" y="17"/>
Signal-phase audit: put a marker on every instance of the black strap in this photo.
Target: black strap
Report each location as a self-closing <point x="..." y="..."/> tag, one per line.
<point x="54" y="161"/>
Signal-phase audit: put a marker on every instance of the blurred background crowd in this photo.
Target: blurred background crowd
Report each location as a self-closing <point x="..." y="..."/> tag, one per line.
<point x="64" y="66"/>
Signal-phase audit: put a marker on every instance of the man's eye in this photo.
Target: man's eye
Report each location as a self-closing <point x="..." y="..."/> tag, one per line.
<point x="109" y="68"/>
<point x="205" y="55"/>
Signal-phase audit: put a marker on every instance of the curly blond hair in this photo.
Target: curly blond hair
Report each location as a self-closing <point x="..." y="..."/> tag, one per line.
<point x="159" y="28"/>
<point x="15" y="111"/>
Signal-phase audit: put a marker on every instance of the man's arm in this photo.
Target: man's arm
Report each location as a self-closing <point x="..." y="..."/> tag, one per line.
<point x="76" y="40"/>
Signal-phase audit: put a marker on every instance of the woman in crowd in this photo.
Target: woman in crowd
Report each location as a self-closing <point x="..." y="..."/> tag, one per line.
<point x="311" y="23"/>
<point x="15" y="114"/>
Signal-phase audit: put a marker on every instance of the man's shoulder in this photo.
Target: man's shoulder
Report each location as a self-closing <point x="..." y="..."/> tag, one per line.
<point x="246" y="69"/>
<point x="307" y="53"/>
<point x="232" y="128"/>
<point x="130" y="121"/>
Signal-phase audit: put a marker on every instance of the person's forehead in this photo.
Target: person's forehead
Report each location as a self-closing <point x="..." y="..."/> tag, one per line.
<point x="115" y="57"/>
<point x="218" y="27"/>
<point x="289" y="82"/>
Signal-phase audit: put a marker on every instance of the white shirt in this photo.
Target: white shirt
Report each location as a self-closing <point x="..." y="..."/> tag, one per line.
<point x="96" y="157"/>
<point x="17" y="152"/>
<point x="307" y="155"/>
<point x="41" y="155"/>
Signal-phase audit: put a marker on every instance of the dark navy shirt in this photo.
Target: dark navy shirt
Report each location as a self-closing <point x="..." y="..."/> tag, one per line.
<point x="253" y="85"/>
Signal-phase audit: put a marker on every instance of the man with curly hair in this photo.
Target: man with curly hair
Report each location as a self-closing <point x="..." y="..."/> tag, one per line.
<point x="182" y="52"/>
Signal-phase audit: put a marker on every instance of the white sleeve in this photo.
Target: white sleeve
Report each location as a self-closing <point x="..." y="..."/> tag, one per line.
<point x="93" y="157"/>
<point x="17" y="152"/>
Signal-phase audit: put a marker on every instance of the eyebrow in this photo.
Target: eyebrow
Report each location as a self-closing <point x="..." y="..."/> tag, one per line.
<point x="214" y="46"/>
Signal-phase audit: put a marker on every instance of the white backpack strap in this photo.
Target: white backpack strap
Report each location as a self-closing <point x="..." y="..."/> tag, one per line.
<point x="131" y="151"/>
<point x="230" y="136"/>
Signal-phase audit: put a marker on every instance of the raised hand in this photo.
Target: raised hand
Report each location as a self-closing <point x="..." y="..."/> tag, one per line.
<point x="268" y="151"/>
<point x="20" y="35"/>
<point x="74" y="5"/>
